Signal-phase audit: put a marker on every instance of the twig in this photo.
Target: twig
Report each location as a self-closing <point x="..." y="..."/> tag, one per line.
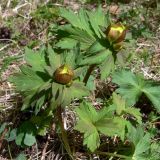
<point x="9" y="152"/>
<point x="15" y="10"/>
<point x="8" y="3"/>
<point x="45" y="148"/>
<point x="2" y="137"/>
<point x="4" y="47"/>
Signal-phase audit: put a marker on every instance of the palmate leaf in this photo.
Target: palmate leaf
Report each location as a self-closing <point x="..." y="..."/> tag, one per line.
<point x="30" y="83"/>
<point x="152" y="92"/>
<point x="96" y="59"/>
<point x="79" y="20"/>
<point x="112" y="126"/>
<point x="27" y="80"/>
<point x="55" y="59"/>
<point x="91" y="122"/>
<point x="36" y="79"/>
<point x="119" y="102"/>
<point x="85" y="125"/>
<point x="84" y="28"/>
<point x="131" y="87"/>
<point x="87" y="30"/>
<point x="76" y="34"/>
<point x="141" y="141"/>
<point x="97" y="19"/>
<point x="66" y="43"/>
<point x="134" y="112"/>
<point x="122" y="108"/>
<point x="142" y="146"/>
<point x="35" y="59"/>
<point x="107" y="67"/>
<point x="154" y="151"/>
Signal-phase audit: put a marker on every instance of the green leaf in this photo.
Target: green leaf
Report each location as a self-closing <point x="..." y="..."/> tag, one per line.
<point x="141" y="141"/>
<point x="42" y="122"/>
<point x="95" y="48"/>
<point x="35" y="59"/>
<point x="107" y="67"/>
<point x="54" y="58"/>
<point x="97" y="19"/>
<point x="12" y="135"/>
<point x="21" y="156"/>
<point x="27" y="100"/>
<point x="76" y="90"/>
<point x="27" y="80"/>
<point x="57" y="94"/>
<point x="131" y="87"/>
<point x="29" y="139"/>
<point x="92" y="140"/>
<point x="119" y="102"/>
<point x="2" y="127"/>
<point x="112" y="126"/>
<point x="39" y="102"/>
<point x="96" y="59"/>
<point x="26" y="134"/>
<point x="91" y="122"/>
<point x="70" y="58"/>
<point x="81" y="36"/>
<point x="19" y="139"/>
<point x="79" y="20"/>
<point x="135" y="112"/>
<point x="85" y="125"/>
<point x="135" y="134"/>
<point x="121" y="107"/>
<point x="154" y="151"/>
<point x="66" y="43"/>
<point x="152" y="92"/>
<point x="142" y="146"/>
<point x="71" y="17"/>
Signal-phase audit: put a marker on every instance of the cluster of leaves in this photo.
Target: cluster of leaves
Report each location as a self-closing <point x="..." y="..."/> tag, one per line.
<point x="83" y="43"/>
<point x="108" y="121"/>
<point x="88" y="28"/>
<point x="36" y="79"/>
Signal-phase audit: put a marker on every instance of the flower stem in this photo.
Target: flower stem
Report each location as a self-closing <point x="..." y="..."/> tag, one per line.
<point x="63" y="132"/>
<point x="89" y="71"/>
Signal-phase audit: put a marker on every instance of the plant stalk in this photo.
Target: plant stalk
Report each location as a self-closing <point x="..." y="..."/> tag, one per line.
<point x="113" y="155"/>
<point x="63" y="132"/>
<point x="89" y="71"/>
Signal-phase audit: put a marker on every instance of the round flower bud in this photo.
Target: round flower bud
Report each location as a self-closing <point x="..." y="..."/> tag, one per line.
<point x="116" y="33"/>
<point x="63" y="75"/>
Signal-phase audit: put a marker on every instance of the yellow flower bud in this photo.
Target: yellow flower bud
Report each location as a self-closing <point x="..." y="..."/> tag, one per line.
<point x="116" y="33"/>
<point x="63" y="74"/>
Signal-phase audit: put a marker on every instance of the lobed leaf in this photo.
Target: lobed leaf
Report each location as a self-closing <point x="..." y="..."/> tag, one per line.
<point x="35" y="59"/>
<point x="131" y="87"/>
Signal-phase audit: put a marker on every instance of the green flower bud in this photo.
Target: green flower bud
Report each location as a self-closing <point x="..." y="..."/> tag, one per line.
<point x="116" y="33"/>
<point x="63" y="74"/>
